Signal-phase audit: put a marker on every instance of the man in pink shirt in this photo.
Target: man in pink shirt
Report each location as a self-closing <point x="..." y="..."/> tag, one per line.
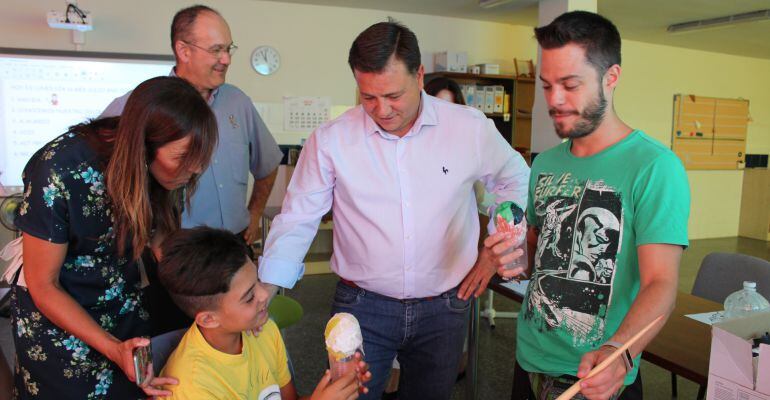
<point x="398" y="173"/>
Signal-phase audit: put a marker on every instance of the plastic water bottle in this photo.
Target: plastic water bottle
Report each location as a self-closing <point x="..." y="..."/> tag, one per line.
<point x="745" y="302"/>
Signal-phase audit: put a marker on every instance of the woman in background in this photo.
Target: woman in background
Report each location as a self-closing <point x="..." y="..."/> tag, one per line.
<point x="94" y="198"/>
<point x="445" y="89"/>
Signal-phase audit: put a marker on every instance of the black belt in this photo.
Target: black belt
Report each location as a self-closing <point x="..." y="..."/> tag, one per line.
<point x="355" y="286"/>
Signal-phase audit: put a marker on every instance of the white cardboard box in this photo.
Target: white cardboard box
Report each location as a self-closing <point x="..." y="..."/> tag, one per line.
<point x="490" y="69"/>
<point x="733" y="373"/>
<point x="427" y="62"/>
<point x="451" y="61"/>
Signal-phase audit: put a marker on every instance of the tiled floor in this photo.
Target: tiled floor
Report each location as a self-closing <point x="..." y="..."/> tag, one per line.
<point x="496" y="346"/>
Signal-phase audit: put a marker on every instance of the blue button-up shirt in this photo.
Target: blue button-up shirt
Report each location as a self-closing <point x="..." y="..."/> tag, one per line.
<point x="405" y="219"/>
<point x="245" y="144"/>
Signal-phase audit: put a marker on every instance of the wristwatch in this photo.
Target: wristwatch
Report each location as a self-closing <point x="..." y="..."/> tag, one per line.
<point x="626" y="355"/>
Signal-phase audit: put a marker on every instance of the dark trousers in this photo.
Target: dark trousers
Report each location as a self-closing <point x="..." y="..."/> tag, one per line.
<point x="522" y="390"/>
<point x="426" y="334"/>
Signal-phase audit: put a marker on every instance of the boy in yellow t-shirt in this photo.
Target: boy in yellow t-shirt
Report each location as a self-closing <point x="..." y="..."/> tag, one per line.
<point x="210" y="277"/>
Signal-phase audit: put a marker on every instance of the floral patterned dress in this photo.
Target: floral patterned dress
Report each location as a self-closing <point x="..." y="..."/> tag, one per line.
<point x="65" y="201"/>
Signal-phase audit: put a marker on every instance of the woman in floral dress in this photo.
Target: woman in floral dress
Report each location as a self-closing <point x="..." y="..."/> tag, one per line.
<point x="94" y="198"/>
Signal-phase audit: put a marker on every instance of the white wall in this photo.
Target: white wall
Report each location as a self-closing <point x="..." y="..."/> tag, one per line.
<point x="653" y="74"/>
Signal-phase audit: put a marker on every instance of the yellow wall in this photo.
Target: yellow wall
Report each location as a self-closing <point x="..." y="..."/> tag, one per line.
<point x="652" y="74"/>
<point x="313" y="42"/>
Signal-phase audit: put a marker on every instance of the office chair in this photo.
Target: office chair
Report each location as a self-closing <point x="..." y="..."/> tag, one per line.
<point x="720" y="275"/>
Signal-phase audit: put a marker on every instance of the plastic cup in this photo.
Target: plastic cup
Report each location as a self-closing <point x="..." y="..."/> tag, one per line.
<point x="340" y="367"/>
<point x="521" y="261"/>
<point x="509" y="217"/>
<point x="343" y="339"/>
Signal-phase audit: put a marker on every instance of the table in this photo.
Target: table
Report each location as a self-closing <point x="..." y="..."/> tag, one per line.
<point x="682" y="346"/>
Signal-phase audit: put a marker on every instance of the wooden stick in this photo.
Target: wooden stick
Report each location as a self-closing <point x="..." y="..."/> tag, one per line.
<point x="575" y="388"/>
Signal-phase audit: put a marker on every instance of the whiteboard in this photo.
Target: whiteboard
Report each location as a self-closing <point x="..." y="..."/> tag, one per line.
<point x="43" y="92"/>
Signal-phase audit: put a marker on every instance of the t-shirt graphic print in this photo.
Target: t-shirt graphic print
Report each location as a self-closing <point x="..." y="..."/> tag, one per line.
<point x="593" y="214"/>
<point x="581" y="229"/>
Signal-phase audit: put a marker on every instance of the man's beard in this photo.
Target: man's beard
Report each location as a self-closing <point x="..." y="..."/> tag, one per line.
<point x="590" y="119"/>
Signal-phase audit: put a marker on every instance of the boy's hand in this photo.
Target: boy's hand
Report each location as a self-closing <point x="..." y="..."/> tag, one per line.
<point x="345" y="388"/>
<point x="254" y="331"/>
<point x="363" y="374"/>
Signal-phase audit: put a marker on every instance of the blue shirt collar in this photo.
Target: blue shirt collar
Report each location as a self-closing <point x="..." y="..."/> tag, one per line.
<point x="211" y="98"/>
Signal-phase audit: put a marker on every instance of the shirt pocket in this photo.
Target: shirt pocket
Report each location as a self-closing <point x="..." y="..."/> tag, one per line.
<point x="237" y="154"/>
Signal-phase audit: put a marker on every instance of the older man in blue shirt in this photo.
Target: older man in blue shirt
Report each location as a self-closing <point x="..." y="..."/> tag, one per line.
<point x="203" y="47"/>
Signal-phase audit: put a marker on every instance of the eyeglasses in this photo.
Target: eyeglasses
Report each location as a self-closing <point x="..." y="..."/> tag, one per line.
<point x="216" y="51"/>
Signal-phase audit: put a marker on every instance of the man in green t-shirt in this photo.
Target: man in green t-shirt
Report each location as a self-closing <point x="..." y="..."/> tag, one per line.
<point x="608" y="212"/>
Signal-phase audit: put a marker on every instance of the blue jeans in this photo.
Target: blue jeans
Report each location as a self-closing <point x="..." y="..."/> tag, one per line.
<point x="426" y="334"/>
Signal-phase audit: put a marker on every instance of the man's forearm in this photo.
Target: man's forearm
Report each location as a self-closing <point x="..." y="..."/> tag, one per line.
<point x="658" y="276"/>
<point x="655" y="299"/>
<point x="260" y="193"/>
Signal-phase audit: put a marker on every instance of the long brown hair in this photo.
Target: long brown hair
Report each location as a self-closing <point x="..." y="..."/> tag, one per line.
<point x="159" y="111"/>
<point x="438" y="84"/>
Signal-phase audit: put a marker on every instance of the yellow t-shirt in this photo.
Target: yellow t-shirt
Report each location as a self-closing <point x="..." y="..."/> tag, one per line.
<point x="206" y="373"/>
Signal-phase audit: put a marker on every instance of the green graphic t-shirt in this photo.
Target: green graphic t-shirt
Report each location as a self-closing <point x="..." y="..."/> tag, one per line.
<point x="592" y="213"/>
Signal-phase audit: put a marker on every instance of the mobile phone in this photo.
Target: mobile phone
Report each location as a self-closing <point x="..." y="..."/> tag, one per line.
<point x="143" y="364"/>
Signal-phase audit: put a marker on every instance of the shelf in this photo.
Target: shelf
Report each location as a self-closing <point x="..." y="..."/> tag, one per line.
<point x="461" y="75"/>
<point x="520" y="94"/>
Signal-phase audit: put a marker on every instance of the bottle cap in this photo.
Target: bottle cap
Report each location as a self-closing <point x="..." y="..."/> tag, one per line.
<point x="749" y="285"/>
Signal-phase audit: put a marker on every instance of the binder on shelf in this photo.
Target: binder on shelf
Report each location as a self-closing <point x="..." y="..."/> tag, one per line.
<point x="469" y="94"/>
<point x="499" y="98"/>
<point x="489" y="99"/>
<point x="480" y="98"/>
